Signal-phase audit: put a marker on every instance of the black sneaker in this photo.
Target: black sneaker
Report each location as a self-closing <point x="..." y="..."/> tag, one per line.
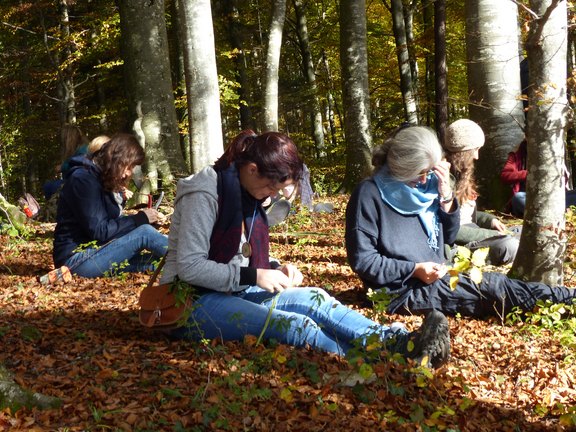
<point x="429" y="345"/>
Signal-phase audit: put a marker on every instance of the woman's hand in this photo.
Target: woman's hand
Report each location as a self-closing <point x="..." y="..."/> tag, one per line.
<point x="272" y="280"/>
<point x="127" y="194"/>
<point x="429" y="272"/>
<point x="152" y="215"/>
<point x="294" y="275"/>
<point x="498" y="226"/>
<point x="442" y="171"/>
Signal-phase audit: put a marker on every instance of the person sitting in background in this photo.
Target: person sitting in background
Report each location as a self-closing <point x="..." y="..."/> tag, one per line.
<point x="72" y="143"/>
<point x="91" y="237"/>
<point x="514" y="173"/>
<point x="96" y="144"/>
<point x="278" y="207"/>
<point x="464" y="138"/>
<point x="219" y="246"/>
<point x="398" y="223"/>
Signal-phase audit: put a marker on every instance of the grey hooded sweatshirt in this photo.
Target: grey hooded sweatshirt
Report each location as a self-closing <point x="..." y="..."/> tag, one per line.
<point x="194" y="217"/>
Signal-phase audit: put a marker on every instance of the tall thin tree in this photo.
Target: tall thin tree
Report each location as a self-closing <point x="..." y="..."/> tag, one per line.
<point x="273" y="65"/>
<point x="310" y="75"/>
<point x="541" y="251"/>
<point x="201" y="83"/>
<point x="399" y="14"/>
<point x="355" y="94"/>
<point x="440" y="68"/>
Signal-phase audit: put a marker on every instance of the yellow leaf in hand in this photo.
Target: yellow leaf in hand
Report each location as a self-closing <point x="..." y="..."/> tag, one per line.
<point x="479" y="257"/>
<point x="476" y="274"/>
<point x="463" y="252"/>
<point x="453" y="282"/>
<point x="461" y="266"/>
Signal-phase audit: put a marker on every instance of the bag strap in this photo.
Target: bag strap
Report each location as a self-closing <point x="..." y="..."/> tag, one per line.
<point x="157" y="271"/>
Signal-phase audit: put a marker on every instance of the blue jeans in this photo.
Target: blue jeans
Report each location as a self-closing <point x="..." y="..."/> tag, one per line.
<point x="518" y="202"/>
<point x="298" y="316"/>
<point x="137" y="251"/>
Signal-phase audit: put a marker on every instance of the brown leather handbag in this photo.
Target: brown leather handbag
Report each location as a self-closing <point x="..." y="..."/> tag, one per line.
<point x="165" y="306"/>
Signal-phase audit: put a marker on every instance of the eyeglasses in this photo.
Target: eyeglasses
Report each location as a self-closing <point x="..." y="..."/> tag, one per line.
<point x="425" y="174"/>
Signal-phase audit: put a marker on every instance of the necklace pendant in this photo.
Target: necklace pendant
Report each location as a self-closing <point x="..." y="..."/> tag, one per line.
<point x="246" y="250"/>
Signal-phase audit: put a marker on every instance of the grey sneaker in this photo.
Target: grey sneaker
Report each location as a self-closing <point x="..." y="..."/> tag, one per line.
<point x="430" y="344"/>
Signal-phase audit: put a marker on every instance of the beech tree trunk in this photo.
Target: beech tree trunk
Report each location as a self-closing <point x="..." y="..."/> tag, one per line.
<point x="541" y="252"/>
<point x="355" y="94"/>
<point x="310" y="75"/>
<point x="236" y="32"/>
<point x="494" y="88"/>
<point x="65" y="73"/>
<point x="15" y="397"/>
<point x="440" y="68"/>
<point x="201" y="83"/>
<point x="147" y="74"/>
<point x="404" y="66"/>
<point x="273" y="65"/>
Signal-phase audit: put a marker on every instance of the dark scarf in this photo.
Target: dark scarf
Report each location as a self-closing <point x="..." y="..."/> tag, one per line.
<point x="234" y="205"/>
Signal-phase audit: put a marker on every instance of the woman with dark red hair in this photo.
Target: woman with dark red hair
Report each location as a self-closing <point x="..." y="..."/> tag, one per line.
<point x="219" y="248"/>
<point x="92" y="238"/>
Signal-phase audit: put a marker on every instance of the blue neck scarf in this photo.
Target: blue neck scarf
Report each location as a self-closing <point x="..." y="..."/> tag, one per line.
<point x="406" y="200"/>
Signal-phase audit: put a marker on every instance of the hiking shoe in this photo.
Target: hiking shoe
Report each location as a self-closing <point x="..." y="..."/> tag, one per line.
<point x="429" y="345"/>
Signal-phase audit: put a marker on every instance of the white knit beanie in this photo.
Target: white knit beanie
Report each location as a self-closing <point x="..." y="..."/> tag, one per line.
<point x="463" y="135"/>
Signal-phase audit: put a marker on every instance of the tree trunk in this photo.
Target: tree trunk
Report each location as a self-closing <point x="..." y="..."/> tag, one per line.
<point x="541" y="252"/>
<point x="201" y="83"/>
<point x="66" y="82"/>
<point x="309" y="73"/>
<point x="12" y="214"/>
<point x="494" y="87"/>
<point x="179" y="79"/>
<point x="273" y="65"/>
<point x="144" y="46"/>
<point x="441" y="86"/>
<point x="15" y="397"/>
<point x="331" y="108"/>
<point x="406" y="84"/>
<point x="427" y="23"/>
<point x="236" y="32"/>
<point x="355" y="94"/>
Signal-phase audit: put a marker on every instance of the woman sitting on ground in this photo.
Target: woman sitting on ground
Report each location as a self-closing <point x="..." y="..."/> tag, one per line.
<point x="398" y="223"/>
<point x="219" y="244"/>
<point x="91" y="236"/>
<point x="464" y="138"/>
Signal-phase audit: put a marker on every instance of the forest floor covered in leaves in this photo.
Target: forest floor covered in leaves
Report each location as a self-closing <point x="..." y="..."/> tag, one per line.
<point x="82" y="342"/>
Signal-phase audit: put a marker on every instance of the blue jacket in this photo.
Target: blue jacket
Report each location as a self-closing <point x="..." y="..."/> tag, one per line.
<point x="87" y="213"/>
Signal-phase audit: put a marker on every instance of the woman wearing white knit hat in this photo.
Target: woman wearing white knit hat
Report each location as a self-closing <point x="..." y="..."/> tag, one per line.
<point x="464" y="138"/>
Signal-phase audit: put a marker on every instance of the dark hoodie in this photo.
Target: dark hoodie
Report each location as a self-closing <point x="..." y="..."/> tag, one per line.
<point x="87" y="213"/>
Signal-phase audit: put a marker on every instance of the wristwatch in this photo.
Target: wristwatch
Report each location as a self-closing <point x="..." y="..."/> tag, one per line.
<point x="447" y="199"/>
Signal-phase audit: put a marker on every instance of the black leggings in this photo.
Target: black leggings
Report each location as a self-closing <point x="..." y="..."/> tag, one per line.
<point x="496" y="295"/>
